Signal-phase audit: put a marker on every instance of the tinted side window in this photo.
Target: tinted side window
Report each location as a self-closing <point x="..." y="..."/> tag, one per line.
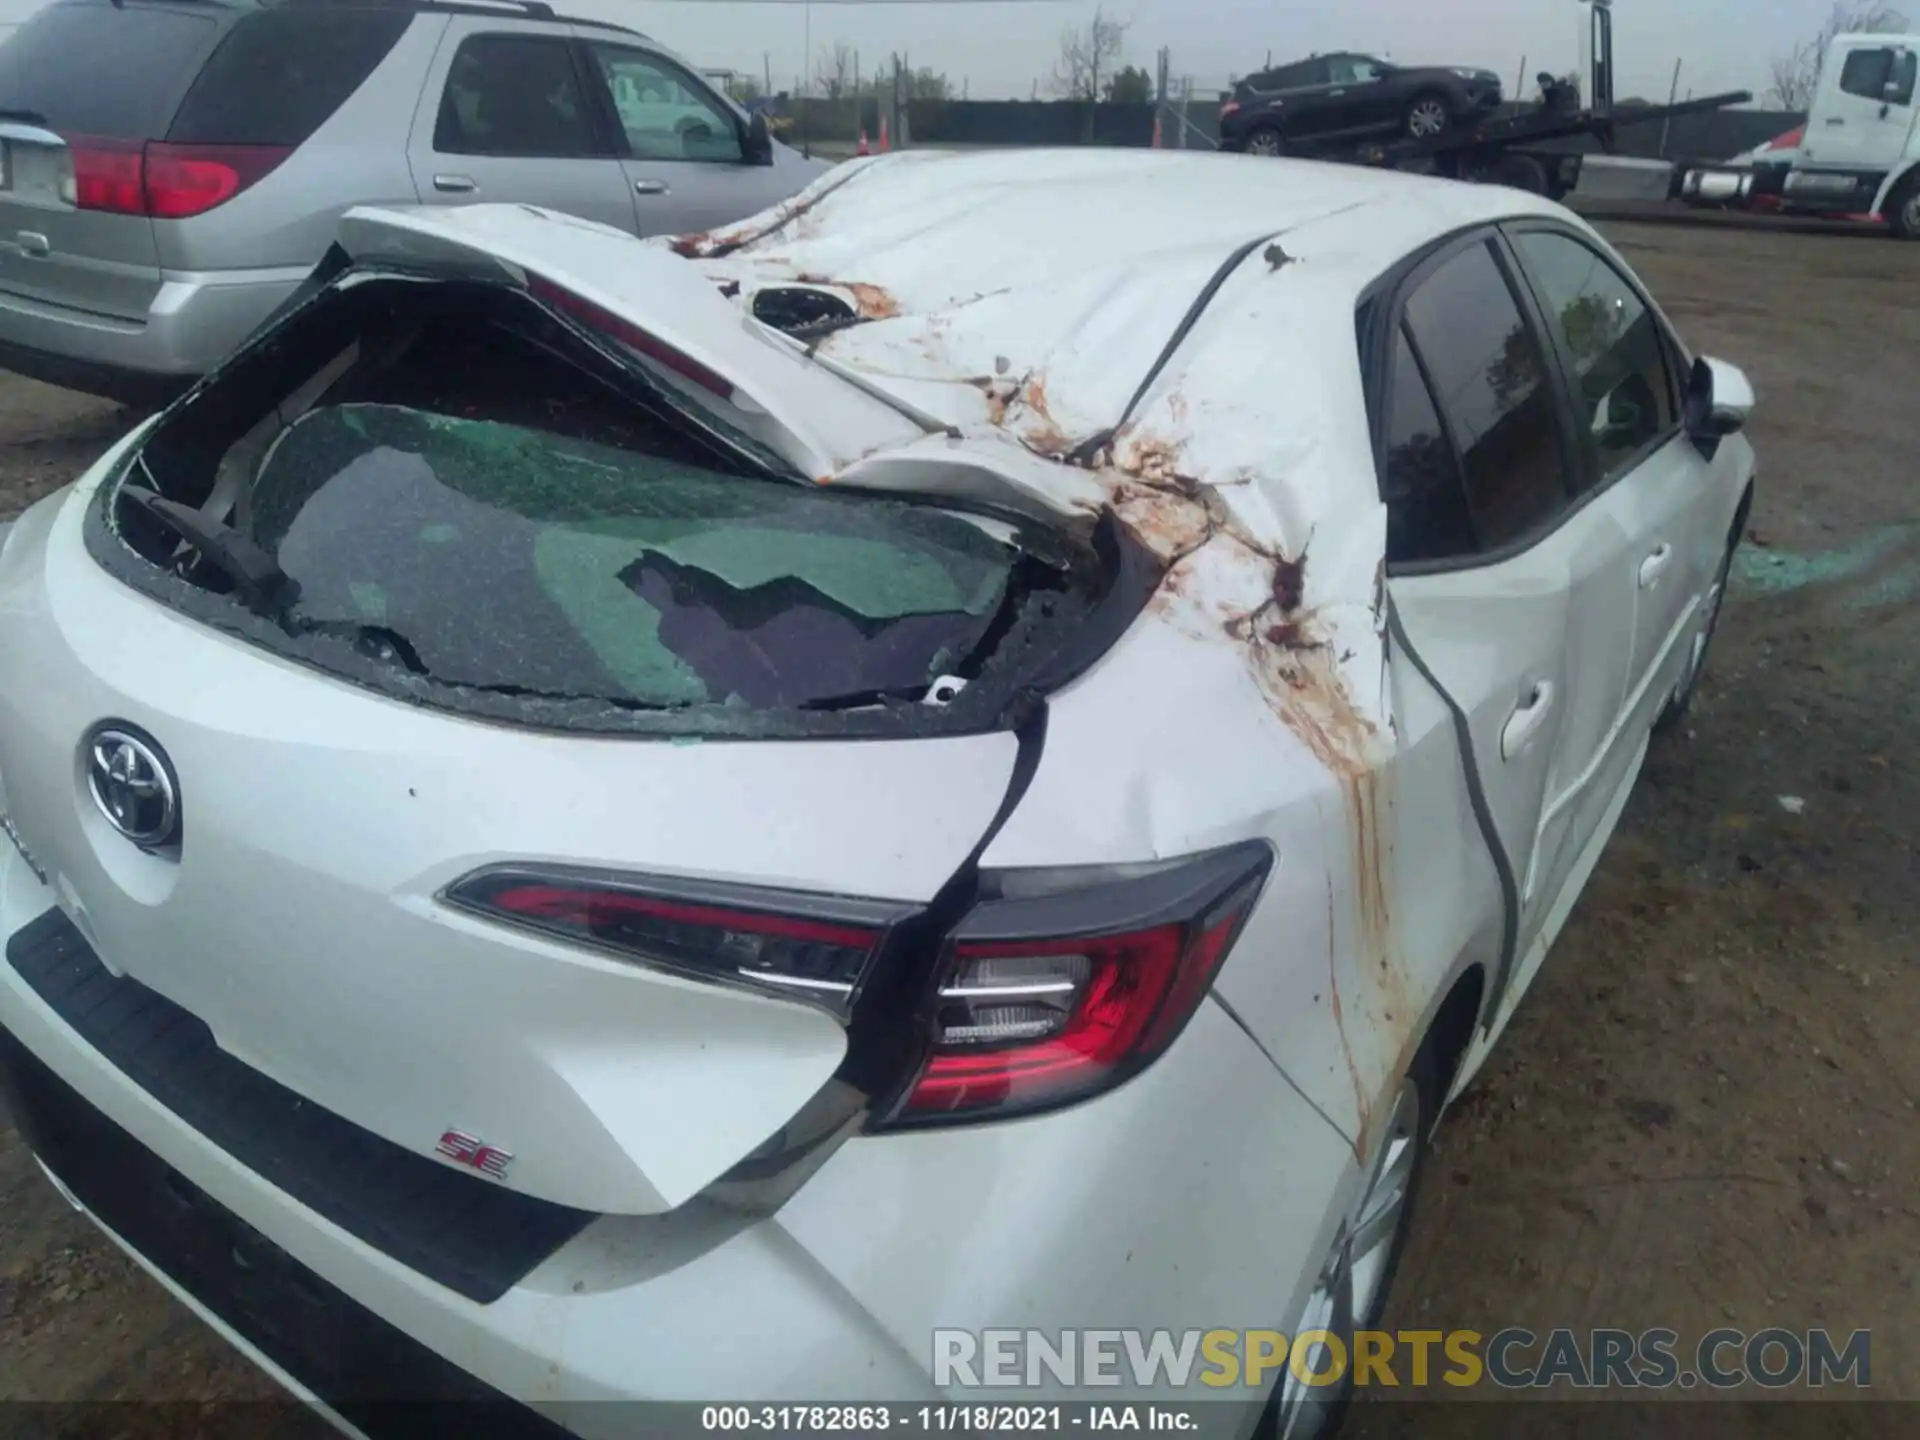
<point x="101" y="70"/>
<point x="1426" y="503"/>
<point x="664" y="114"/>
<point x="1490" y="377"/>
<point x="280" y="74"/>
<point x="1619" y="355"/>
<point x="1867" y="73"/>
<point x="515" y="95"/>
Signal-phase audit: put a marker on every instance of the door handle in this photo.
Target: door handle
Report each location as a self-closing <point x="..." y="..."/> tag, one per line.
<point x="34" y="244"/>
<point x="1336" y="92"/>
<point x="650" y="187"/>
<point x="1525" y="722"/>
<point x="1654" y="566"/>
<point x="1836" y="120"/>
<point x="454" y="184"/>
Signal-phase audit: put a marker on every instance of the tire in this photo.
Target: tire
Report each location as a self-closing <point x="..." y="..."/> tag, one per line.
<point x="1903" y="208"/>
<point x="1305" y="1413"/>
<point x="1675" y="715"/>
<point x="1265" y="140"/>
<point x="1428" y="116"/>
<point x="1521" y="172"/>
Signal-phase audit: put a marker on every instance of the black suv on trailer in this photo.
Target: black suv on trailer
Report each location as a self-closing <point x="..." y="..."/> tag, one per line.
<point x="1334" y="98"/>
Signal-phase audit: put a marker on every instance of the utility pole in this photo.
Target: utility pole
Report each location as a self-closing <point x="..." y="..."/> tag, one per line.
<point x="1673" y="94"/>
<point x="766" y="70"/>
<point x="806" y="86"/>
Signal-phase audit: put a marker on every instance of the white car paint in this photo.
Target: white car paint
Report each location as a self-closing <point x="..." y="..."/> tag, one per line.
<point x="1268" y="692"/>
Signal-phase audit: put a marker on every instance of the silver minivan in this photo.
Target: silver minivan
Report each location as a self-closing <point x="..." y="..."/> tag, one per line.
<point x="171" y="170"/>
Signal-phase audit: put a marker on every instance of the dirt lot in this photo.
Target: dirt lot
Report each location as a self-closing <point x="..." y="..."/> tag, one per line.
<point x="1705" y="1114"/>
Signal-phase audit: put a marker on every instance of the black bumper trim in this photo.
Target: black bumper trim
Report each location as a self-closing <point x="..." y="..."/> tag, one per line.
<point x="366" y="1370"/>
<point x="471" y="1235"/>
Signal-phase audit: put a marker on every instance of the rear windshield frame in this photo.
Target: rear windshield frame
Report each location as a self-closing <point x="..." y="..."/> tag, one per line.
<point x="1037" y="648"/>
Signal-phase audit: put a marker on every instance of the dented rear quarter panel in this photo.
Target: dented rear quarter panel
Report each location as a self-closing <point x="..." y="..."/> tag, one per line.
<point x="1023" y="305"/>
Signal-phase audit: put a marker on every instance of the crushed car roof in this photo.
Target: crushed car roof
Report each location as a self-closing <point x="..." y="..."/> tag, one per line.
<point x="1165" y="337"/>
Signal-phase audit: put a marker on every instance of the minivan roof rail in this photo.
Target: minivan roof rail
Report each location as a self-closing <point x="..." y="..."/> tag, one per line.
<point x="529" y="9"/>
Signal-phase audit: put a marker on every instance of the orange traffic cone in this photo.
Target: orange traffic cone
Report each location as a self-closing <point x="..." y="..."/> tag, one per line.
<point x="864" y="149"/>
<point x="884" y="146"/>
<point x="1156" y="133"/>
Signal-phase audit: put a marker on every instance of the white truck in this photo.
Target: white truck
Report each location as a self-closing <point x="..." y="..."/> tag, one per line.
<point x="1859" y="155"/>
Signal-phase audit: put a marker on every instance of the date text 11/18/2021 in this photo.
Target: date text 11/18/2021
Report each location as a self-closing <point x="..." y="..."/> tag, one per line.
<point x="957" y="1419"/>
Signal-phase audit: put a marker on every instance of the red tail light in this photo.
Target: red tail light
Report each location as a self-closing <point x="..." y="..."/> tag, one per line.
<point x="1232" y="107"/>
<point x="1030" y="1024"/>
<point x="1055" y="987"/>
<point x="184" y="180"/>
<point x="166" y="182"/>
<point x="796" y="944"/>
<point x="597" y="317"/>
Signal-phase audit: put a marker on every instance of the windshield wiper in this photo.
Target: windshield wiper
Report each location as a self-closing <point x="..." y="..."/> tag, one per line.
<point x="263" y="585"/>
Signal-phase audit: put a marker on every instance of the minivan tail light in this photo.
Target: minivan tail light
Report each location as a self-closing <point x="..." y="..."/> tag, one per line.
<point x="162" y="181"/>
<point x="797" y="944"/>
<point x="108" y="175"/>
<point x="1026" y="1024"/>
<point x="616" y="327"/>
<point x="188" y="180"/>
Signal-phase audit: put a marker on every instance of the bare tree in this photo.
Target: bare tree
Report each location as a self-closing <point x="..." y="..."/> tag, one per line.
<point x="1796" y="75"/>
<point x="833" y="73"/>
<point x="1087" y="57"/>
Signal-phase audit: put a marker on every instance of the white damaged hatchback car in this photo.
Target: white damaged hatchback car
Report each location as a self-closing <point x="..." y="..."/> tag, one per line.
<point x="601" y="820"/>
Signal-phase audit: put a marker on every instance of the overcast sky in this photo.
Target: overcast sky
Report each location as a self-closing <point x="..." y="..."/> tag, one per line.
<point x="1000" y="49"/>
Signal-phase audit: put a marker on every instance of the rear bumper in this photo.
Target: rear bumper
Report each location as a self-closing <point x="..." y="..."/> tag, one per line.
<point x="1063" y="1221"/>
<point x="195" y="321"/>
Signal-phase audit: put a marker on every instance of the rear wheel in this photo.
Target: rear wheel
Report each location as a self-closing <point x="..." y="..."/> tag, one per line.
<point x="1520" y="172"/>
<point x="1266" y="140"/>
<point x="1903" y="208"/>
<point x="1428" y="116"/>
<point x="1357" y="1274"/>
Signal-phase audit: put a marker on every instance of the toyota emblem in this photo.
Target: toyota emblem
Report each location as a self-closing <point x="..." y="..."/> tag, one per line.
<point x="133" y="786"/>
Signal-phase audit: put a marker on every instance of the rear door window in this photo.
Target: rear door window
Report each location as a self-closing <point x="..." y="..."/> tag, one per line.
<point x="1491" y="379"/>
<point x="102" y="70"/>
<point x="280" y="75"/>
<point x="1427" y="515"/>
<point x="516" y="95"/>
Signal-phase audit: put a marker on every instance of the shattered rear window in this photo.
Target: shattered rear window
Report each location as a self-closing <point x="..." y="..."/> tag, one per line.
<point x="490" y="555"/>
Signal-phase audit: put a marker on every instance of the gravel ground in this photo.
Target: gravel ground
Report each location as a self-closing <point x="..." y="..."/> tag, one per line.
<point x="1705" y="1113"/>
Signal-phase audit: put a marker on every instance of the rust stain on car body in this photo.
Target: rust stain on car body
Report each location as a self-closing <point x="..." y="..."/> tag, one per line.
<point x="871" y="301"/>
<point x="1189" y="526"/>
<point x="1226" y="580"/>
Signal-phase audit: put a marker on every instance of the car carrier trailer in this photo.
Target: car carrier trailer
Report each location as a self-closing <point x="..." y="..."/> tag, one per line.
<point x="1518" y="148"/>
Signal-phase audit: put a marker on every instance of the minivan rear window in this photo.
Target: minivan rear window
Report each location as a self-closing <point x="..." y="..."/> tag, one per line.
<point x="495" y="556"/>
<point x="98" y="69"/>
<point x="279" y="75"/>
